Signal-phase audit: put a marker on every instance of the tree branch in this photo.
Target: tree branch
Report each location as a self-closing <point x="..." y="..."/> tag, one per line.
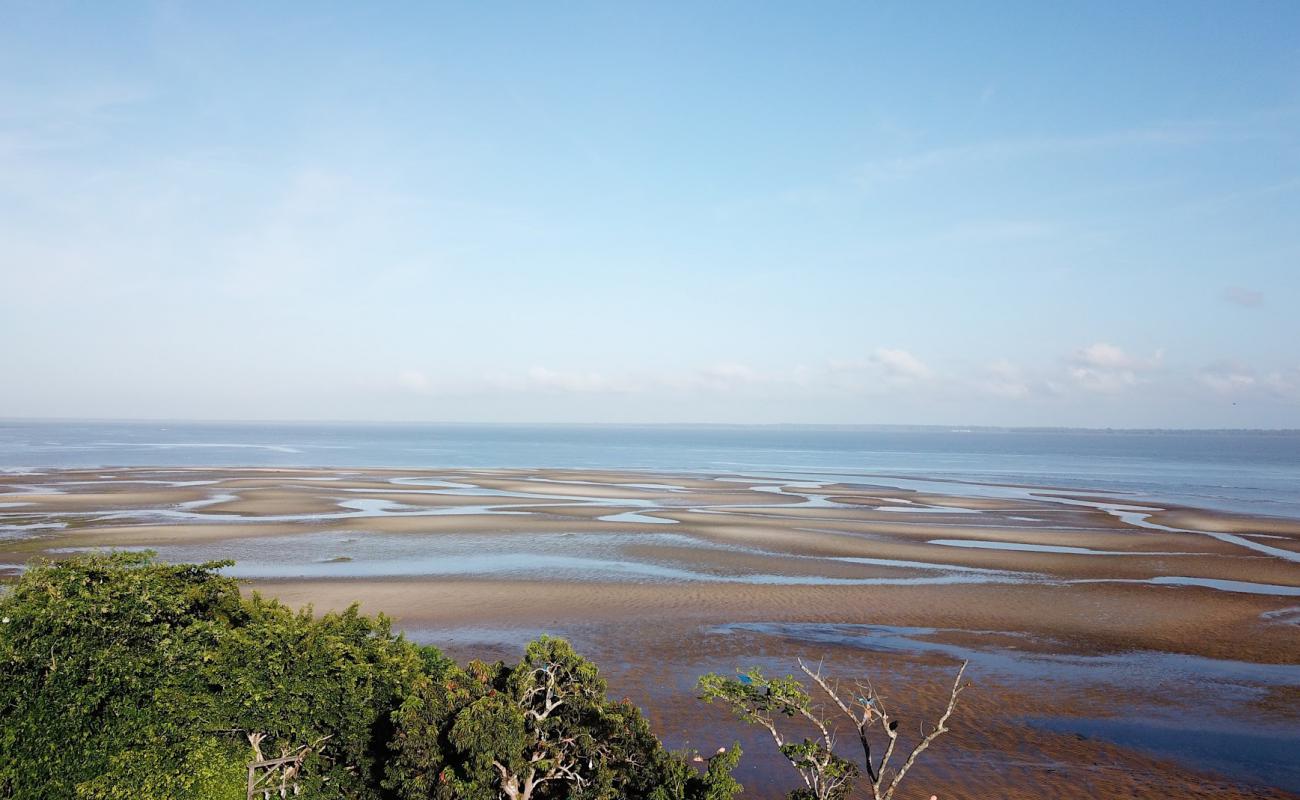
<point x="939" y="730"/>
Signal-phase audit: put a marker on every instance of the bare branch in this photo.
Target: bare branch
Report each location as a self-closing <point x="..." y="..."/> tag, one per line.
<point x="939" y="730"/>
<point x="860" y="723"/>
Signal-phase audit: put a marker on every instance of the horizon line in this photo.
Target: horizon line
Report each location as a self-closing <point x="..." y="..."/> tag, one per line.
<point x="951" y="428"/>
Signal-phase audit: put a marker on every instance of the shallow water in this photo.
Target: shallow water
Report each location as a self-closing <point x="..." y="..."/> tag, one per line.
<point x="1244" y="587"/>
<point x="619" y="556"/>
<point x="539" y="556"/>
<point x="1235" y="471"/>
<point x="1264" y="755"/>
<point x="636" y="516"/>
<point x="1205" y="732"/>
<point x="599" y="557"/>
<point x="980" y="544"/>
<point x="1147" y="668"/>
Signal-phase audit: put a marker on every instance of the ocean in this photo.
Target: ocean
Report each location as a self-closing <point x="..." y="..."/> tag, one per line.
<point x="1255" y="472"/>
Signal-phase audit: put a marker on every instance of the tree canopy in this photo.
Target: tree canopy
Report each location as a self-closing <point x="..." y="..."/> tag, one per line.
<point x="541" y="729"/>
<point x="122" y="677"/>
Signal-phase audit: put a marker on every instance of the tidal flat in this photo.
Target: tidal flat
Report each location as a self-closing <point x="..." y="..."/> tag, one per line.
<point x="1119" y="645"/>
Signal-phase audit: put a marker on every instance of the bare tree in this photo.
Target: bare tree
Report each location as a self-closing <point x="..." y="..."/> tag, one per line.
<point x="760" y="700"/>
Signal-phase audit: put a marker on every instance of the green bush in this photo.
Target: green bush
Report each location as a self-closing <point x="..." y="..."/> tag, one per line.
<point x="85" y="646"/>
<point x="541" y="729"/>
<point x="121" y="677"/>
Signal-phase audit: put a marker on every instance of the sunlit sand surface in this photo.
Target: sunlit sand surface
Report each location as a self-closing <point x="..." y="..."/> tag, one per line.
<point x="1120" y="646"/>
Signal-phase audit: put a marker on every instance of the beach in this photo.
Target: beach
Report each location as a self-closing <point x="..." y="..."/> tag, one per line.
<point x="1116" y="645"/>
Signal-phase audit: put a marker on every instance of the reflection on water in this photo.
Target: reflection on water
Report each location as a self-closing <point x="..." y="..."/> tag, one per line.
<point x="1148" y="667"/>
<point x="635" y="516"/>
<point x="1270" y="757"/>
<point x="980" y="544"/>
<point x="557" y="556"/>
<point x="533" y="557"/>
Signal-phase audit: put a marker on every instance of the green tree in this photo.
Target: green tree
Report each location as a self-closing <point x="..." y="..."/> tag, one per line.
<point x="295" y="680"/>
<point x="763" y="701"/>
<point x="541" y="729"/>
<point x="122" y="677"/>
<point x="84" y="647"/>
<point x="760" y="700"/>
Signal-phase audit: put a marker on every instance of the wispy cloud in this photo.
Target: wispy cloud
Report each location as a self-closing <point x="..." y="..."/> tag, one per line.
<point x="1243" y="297"/>
<point x="1233" y="378"/>
<point x="1106" y="368"/>
<point x="1101" y="375"/>
<point x="546" y="379"/>
<point x="714" y="378"/>
<point x="995" y="152"/>
<point x="1284" y="384"/>
<point x="885" y="369"/>
<point x="1228" y="377"/>
<point x="900" y="365"/>
<point x="414" y="380"/>
<point x="60" y="119"/>
<point x="1003" y="379"/>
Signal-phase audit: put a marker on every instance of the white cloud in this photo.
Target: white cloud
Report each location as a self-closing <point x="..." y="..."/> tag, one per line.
<point x="725" y="376"/>
<point x="1228" y="377"/>
<point x="1106" y="368"/>
<point x="414" y="380"/>
<point x="1005" y="151"/>
<point x="1234" y="378"/>
<point x="1103" y="356"/>
<point x="886" y="369"/>
<point x="48" y="120"/>
<point x="1283" y="384"/>
<point x="1001" y="378"/>
<point x="886" y="375"/>
<point x="578" y="382"/>
<point x="1103" y="381"/>
<point x="722" y="377"/>
<point x="900" y="365"/>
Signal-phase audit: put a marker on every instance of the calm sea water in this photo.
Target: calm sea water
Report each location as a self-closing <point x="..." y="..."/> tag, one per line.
<point x="1257" y="472"/>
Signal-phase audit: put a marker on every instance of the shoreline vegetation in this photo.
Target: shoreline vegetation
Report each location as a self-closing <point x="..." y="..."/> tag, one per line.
<point x="121" y="677"/>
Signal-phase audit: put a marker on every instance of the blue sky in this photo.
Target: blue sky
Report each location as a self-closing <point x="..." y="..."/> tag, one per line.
<point x="965" y="213"/>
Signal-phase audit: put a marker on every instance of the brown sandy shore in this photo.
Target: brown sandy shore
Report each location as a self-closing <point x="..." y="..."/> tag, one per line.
<point x="651" y="574"/>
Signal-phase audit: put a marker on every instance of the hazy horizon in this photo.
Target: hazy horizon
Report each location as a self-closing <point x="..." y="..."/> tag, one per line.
<point x="1009" y="216"/>
<point x="953" y="427"/>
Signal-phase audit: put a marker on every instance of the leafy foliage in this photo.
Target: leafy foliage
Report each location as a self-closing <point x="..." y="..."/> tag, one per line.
<point x="121" y="677"/>
<point x="682" y="782"/>
<point x="543" y="728"/>
<point x="327" y="682"/>
<point x="124" y="677"/>
<point x="84" y="647"/>
<point x="760" y="700"/>
<point x="207" y="768"/>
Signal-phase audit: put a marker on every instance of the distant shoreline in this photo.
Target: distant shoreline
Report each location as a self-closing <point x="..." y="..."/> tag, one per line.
<point x="830" y="426"/>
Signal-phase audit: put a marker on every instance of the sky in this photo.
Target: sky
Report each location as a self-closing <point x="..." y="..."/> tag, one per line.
<point x="750" y="212"/>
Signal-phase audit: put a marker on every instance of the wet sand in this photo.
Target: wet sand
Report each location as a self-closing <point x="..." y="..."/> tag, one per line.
<point x="1119" y="646"/>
